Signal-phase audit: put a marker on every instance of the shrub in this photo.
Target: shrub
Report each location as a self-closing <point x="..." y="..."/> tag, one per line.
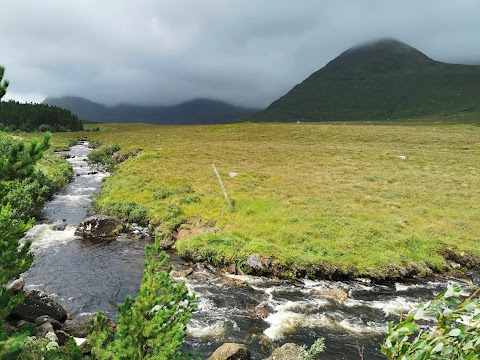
<point x="154" y="325"/>
<point x="455" y="333"/>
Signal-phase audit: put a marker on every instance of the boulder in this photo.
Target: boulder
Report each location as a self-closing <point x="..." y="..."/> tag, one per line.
<point x="37" y="303"/>
<point x="182" y="273"/>
<point x="45" y="318"/>
<point x="78" y="326"/>
<point x="258" y="263"/>
<point x="231" y="351"/>
<point x="231" y="269"/>
<point x="287" y="351"/>
<point x="338" y="295"/>
<point x="43" y="330"/>
<point x="86" y="348"/>
<point x="99" y="227"/>
<point x="62" y="337"/>
<point x="262" y="311"/>
<point x="16" y="285"/>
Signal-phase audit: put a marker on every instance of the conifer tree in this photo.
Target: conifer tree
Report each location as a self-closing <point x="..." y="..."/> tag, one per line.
<point x="154" y="324"/>
<point x="17" y="161"/>
<point x="14" y="259"/>
<point x="4" y="84"/>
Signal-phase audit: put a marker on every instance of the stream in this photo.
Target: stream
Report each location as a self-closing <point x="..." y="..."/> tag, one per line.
<point x="263" y="313"/>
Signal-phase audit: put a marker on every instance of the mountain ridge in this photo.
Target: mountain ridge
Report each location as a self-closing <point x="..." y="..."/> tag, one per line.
<point x="195" y="111"/>
<point x="383" y="79"/>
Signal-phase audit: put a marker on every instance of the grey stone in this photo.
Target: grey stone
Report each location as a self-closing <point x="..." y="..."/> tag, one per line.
<point x="86" y="348"/>
<point x="43" y="330"/>
<point x="37" y="303"/>
<point x="45" y="318"/>
<point x="287" y="351"/>
<point x="99" y="227"/>
<point x="182" y="273"/>
<point x="78" y="326"/>
<point x="16" y="285"/>
<point x="338" y="295"/>
<point x="231" y="351"/>
<point x="62" y="337"/>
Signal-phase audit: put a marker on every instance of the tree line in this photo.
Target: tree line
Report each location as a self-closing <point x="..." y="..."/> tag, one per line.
<point x="37" y="117"/>
<point x="34" y="117"/>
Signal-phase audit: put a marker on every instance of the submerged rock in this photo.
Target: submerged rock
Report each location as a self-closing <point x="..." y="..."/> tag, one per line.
<point x="338" y="295"/>
<point x="99" y="227"/>
<point x="231" y="351"/>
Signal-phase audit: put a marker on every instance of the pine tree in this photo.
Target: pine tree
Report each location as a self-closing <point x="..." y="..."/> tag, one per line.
<point x="4" y="84"/>
<point x="154" y="325"/>
<point x="16" y="162"/>
<point x="14" y="259"/>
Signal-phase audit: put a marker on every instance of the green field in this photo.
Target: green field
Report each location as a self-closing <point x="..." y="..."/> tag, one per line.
<point x="322" y="197"/>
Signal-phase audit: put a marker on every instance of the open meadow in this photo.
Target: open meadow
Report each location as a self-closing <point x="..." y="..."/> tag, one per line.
<point x="326" y="198"/>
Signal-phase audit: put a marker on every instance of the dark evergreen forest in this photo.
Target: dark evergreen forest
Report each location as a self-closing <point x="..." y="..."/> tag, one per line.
<point x="37" y="117"/>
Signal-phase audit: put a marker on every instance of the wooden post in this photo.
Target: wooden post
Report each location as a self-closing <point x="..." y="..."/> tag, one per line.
<point x="223" y="186"/>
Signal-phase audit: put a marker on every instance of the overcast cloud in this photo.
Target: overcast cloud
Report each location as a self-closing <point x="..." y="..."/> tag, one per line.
<point x="248" y="52"/>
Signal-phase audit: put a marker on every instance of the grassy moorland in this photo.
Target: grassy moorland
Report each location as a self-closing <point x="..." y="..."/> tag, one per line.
<point x="328" y="198"/>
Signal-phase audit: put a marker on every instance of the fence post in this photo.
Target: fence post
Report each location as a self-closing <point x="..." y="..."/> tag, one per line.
<point x="223" y="186"/>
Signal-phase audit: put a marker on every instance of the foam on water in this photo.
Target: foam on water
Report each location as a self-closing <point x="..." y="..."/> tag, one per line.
<point x="361" y="328"/>
<point x="44" y="236"/>
<point x="201" y="329"/>
<point x="391" y="306"/>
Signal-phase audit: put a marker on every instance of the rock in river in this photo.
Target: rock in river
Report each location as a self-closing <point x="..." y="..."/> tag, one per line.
<point x="287" y="351"/>
<point x="231" y="351"/>
<point x="99" y="227"/>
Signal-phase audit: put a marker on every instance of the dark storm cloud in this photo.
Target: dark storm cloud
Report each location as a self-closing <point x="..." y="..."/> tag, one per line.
<point x="248" y="52"/>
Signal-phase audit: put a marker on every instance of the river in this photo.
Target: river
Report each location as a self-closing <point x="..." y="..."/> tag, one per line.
<point x="89" y="276"/>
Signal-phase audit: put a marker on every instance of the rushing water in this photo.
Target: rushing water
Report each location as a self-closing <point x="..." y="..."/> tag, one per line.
<point x="261" y="312"/>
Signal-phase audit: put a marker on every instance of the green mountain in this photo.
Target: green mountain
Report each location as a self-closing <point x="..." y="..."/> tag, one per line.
<point x="198" y="111"/>
<point x="386" y="79"/>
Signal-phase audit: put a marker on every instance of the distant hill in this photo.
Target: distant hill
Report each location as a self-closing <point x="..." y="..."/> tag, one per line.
<point x="386" y="79"/>
<point x="199" y="111"/>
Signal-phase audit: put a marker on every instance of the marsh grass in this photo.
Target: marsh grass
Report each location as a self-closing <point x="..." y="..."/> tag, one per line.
<point x="307" y="194"/>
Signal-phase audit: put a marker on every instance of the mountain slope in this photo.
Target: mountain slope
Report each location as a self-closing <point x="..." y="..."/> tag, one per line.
<point x="386" y="79"/>
<point x="198" y="111"/>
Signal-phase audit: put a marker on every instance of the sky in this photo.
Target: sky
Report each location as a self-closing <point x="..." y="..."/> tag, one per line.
<point x="246" y="52"/>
